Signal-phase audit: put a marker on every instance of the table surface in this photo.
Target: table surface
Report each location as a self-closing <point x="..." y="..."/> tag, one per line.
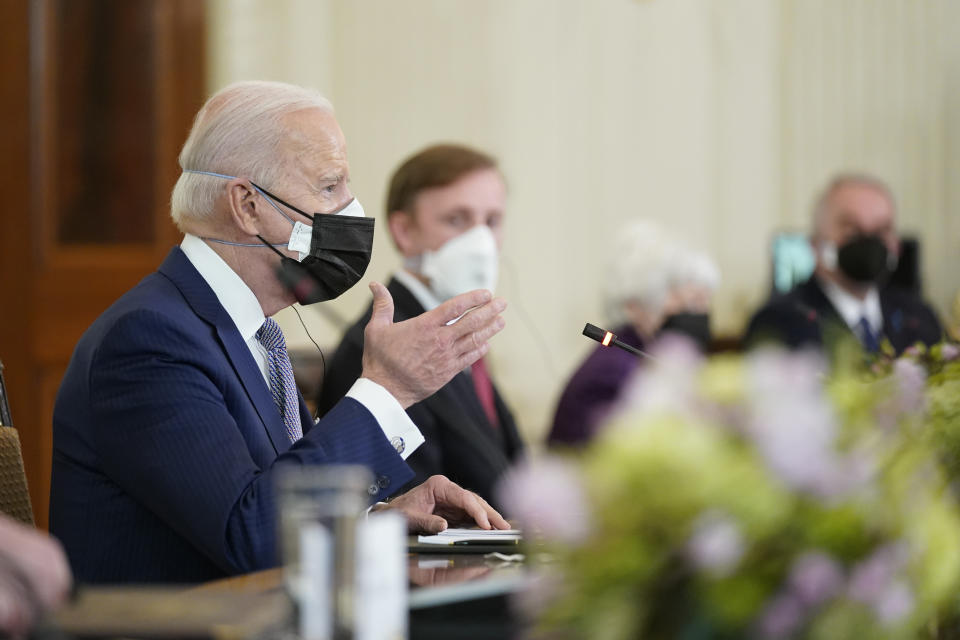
<point x="252" y="605"/>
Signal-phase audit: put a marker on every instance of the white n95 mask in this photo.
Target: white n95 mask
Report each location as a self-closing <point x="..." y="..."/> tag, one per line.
<point x="464" y="263"/>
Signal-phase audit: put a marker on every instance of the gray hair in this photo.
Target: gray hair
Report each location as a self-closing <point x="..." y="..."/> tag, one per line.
<point x="238" y="132"/>
<point x="696" y="268"/>
<point x="845" y="179"/>
<point x="648" y="263"/>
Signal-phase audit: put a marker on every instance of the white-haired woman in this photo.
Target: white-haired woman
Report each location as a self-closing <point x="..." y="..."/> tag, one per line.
<point x="654" y="285"/>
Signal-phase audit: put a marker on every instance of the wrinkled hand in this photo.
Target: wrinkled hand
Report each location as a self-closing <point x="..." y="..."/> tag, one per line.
<point x="438" y="503"/>
<point x="414" y="358"/>
<point x="34" y="577"/>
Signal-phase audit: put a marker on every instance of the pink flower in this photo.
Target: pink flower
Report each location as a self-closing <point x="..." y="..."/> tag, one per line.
<point x="894" y="604"/>
<point x="871" y="579"/>
<point x="676" y="350"/>
<point x="778" y="371"/>
<point x="548" y="496"/>
<point x="815" y="577"/>
<point x="668" y="382"/>
<point x="544" y="586"/>
<point x="794" y="427"/>
<point x="949" y="351"/>
<point x="911" y="382"/>
<point x="782" y="616"/>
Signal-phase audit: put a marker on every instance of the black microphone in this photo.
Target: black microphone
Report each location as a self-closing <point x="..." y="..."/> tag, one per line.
<point x="607" y="338"/>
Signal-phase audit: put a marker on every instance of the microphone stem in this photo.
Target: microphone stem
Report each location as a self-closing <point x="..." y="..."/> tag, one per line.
<point x="637" y="352"/>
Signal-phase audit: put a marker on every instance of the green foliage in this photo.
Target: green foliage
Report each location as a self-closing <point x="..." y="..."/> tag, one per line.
<point x="658" y="478"/>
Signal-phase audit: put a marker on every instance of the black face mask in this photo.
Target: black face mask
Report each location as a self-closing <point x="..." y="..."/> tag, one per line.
<point x="863" y="258"/>
<point x="340" y="249"/>
<point x="695" y="326"/>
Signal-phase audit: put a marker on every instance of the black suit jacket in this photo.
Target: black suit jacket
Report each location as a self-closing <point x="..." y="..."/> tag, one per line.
<point x="460" y="441"/>
<point x="806" y="317"/>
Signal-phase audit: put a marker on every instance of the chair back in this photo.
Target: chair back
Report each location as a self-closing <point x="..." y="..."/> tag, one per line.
<point x="14" y="497"/>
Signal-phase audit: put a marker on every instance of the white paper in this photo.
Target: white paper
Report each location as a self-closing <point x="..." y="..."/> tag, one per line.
<point x="381" y="597"/>
<point x="478" y="536"/>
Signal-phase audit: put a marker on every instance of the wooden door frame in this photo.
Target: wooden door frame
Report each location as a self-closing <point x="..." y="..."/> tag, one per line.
<point x="43" y="285"/>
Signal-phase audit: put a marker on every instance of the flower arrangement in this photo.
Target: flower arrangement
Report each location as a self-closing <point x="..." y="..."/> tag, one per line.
<point x="760" y="496"/>
<point x="930" y="379"/>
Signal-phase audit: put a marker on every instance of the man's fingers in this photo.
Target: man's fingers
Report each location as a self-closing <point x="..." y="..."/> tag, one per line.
<point x="425" y="523"/>
<point x="473" y="340"/>
<point x="497" y="521"/>
<point x="471" y="356"/>
<point x="469" y="502"/>
<point x="479" y="317"/>
<point x="382" y="305"/>
<point x="459" y="305"/>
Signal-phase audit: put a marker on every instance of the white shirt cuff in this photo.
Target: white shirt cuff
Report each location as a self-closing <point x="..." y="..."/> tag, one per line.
<point x="393" y="420"/>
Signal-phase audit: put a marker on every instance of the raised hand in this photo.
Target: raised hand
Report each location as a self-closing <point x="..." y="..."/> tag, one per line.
<point x="414" y="358"/>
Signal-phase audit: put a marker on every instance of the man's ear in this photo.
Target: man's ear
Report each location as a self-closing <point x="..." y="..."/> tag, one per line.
<point x="402" y="226"/>
<point x="243" y="210"/>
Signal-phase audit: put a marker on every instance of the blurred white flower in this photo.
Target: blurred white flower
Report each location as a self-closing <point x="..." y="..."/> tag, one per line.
<point x="794" y="427"/>
<point x="911" y="383"/>
<point x="778" y="371"/>
<point x="894" y="603"/>
<point x="872" y="579"/>
<point x="676" y="350"/>
<point x="815" y="577"/>
<point x="542" y="588"/>
<point x="912" y="351"/>
<point x="669" y="381"/>
<point x="548" y="496"/>
<point x="716" y="544"/>
<point x="950" y="351"/>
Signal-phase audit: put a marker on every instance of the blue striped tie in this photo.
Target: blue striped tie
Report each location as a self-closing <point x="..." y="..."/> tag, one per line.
<point x="868" y="337"/>
<point x="280" y="373"/>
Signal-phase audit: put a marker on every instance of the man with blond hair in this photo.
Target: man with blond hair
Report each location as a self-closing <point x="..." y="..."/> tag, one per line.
<point x="178" y="409"/>
<point x="856" y="247"/>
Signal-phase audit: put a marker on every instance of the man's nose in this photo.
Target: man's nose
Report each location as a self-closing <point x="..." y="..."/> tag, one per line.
<point x="344" y="203"/>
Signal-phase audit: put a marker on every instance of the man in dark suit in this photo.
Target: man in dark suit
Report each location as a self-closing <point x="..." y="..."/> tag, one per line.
<point x="178" y="409"/>
<point x="445" y="211"/>
<point x="856" y="245"/>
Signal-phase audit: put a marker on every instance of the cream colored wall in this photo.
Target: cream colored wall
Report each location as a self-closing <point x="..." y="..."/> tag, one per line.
<point x="716" y="118"/>
<point x="877" y="90"/>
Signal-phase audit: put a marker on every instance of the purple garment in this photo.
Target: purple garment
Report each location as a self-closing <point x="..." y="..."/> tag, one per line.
<point x="593" y="390"/>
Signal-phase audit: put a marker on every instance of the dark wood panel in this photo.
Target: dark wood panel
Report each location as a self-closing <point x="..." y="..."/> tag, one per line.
<point x="98" y="96"/>
<point x="41" y="444"/>
<point x="16" y="241"/>
<point x="104" y="54"/>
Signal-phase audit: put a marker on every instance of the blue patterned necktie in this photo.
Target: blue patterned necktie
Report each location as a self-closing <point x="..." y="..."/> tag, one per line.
<point x="280" y="373"/>
<point x="868" y="337"/>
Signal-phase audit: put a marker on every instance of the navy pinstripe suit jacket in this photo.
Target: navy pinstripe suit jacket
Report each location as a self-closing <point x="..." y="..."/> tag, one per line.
<point x="166" y="441"/>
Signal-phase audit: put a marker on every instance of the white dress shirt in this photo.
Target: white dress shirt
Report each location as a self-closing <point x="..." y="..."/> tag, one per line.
<point x="419" y="290"/>
<point x="852" y="308"/>
<point x="244" y="309"/>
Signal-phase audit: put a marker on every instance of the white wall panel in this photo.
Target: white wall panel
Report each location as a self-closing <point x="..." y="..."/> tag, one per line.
<point x="718" y="119"/>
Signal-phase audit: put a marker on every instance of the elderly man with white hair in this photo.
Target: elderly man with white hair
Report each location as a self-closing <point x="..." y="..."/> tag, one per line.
<point x="653" y="285"/>
<point x="178" y="409"/>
